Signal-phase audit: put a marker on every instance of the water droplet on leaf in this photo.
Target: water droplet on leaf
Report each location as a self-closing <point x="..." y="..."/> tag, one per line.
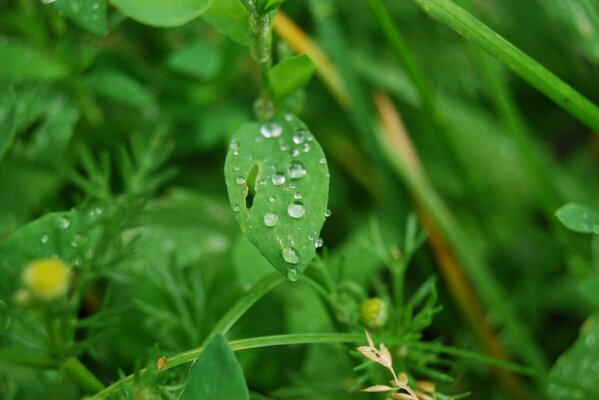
<point x="271" y="130"/>
<point x="292" y="274"/>
<point x="290" y="255"/>
<point x="318" y="243"/>
<point x="63" y="222"/>
<point x="296" y="169"/>
<point x="270" y="219"/>
<point x="240" y="180"/>
<point x="296" y="209"/>
<point x="278" y="179"/>
<point x="44" y="239"/>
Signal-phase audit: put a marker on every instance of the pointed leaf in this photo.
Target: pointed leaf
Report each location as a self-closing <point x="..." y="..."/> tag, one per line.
<point x="579" y="218"/>
<point x="8" y="121"/>
<point x="216" y="375"/>
<point x="291" y="74"/>
<point x="162" y="13"/>
<point x="278" y="183"/>
<point x="229" y="17"/>
<point x="89" y="14"/>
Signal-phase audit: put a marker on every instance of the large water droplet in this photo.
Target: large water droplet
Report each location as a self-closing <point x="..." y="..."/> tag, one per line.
<point x="5" y="318"/>
<point x="271" y="130"/>
<point x="63" y="222"/>
<point x="296" y="169"/>
<point x="44" y="239"/>
<point x="299" y="137"/>
<point x="278" y="179"/>
<point x="292" y="274"/>
<point x="290" y="255"/>
<point x="296" y="209"/>
<point x="270" y="219"/>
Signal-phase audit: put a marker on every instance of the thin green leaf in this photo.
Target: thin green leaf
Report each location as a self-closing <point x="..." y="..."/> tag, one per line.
<point x="278" y="184"/>
<point x="162" y="13"/>
<point x="291" y="74"/>
<point x="8" y="121"/>
<point x="447" y="12"/>
<point x="579" y="218"/>
<point x="216" y="375"/>
<point x="89" y="14"/>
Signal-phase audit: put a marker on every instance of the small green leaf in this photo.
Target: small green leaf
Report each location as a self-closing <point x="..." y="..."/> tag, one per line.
<point x="8" y="121"/>
<point x="216" y="375"/>
<point x="578" y="366"/>
<point x="265" y="6"/>
<point x="22" y="62"/>
<point x="89" y="14"/>
<point x="229" y="17"/>
<point x="579" y="218"/>
<point x="291" y="74"/>
<point x="120" y="87"/>
<point x="162" y="13"/>
<point x="201" y="60"/>
<point x="278" y="184"/>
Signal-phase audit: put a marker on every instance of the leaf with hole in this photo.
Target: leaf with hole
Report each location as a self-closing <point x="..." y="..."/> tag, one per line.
<point x="579" y="218"/>
<point x="291" y="74"/>
<point x="216" y="375"/>
<point x="162" y="13"/>
<point x="278" y="183"/>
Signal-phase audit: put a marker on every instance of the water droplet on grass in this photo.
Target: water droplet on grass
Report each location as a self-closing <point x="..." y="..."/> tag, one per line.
<point x="270" y="219"/>
<point x="296" y="169"/>
<point x="296" y="209"/>
<point x="290" y="255"/>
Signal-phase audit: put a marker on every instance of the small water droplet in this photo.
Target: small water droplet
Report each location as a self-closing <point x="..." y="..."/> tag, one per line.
<point x="292" y="274"/>
<point x="296" y="209"/>
<point x="235" y="152"/>
<point x="94" y="212"/>
<point x="318" y="243"/>
<point x="236" y="207"/>
<point x="296" y="169"/>
<point x="78" y="241"/>
<point x="270" y="219"/>
<point x="234" y="145"/>
<point x="272" y="199"/>
<point x="236" y="168"/>
<point x="278" y="179"/>
<point x="322" y="161"/>
<point x="310" y="237"/>
<point x="240" y="180"/>
<point x="290" y="255"/>
<point x="44" y="239"/>
<point x="271" y="130"/>
<point x="299" y="137"/>
<point x="295" y="153"/>
<point x="284" y="147"/>
<point x="63" y="222"/>
<point x="288" y="117"/>
<point x="307" y="148"/>
<point x="297" y="196"/>
<point x="327" y="213"/>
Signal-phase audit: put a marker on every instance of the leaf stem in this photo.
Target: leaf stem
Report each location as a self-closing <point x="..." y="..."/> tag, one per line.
<point x="79" y="373"/>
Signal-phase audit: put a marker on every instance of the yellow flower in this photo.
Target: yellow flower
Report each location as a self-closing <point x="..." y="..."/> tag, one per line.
<point x="373" y="312"/>
<point x="47" y="279"/>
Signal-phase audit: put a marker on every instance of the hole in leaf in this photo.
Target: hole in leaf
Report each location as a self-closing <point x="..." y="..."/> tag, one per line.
<point x="252" y="183"/>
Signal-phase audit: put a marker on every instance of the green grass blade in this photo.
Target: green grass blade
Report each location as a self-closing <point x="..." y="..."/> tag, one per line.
<point x="528" y="69"/>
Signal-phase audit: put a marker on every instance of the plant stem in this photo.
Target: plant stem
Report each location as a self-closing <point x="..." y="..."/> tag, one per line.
<point x="20" y="358"/>
<point x="450" y="14"/>
<point x="257" y="291"/>
<point x="79" y="373"/>
<point x="261" y="48"/>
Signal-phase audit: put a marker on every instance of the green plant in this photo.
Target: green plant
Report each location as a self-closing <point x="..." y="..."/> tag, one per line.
<point x="125" y="272"/>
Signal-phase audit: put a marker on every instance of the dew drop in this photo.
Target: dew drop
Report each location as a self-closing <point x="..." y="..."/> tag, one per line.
<point x="318" y="243"/>
<point x="270" y="219"/>
<point x="296" y="209"/>
<point x="236" y="207"/>
<point x="240" y="180"/>
<point x="288" y="117"/>
<point x="322" y="161"/>
<point x="299" y="137"/>
<point x="78" y="241"/>
<point x="295" y="153"/>
<point x="234" y="145"/>
<point x="272" y="199"/>
<point x="310" y="237"/>
<point x="296" y="169"/>
<point x="327" y="213"/>
<point x="297" y="196"/>
<point x="292" y="274"/>
<point x="290" y="255"/>
<point x="236" y="168"/>
<point x="278" y="179"/>
<point x="44" y="239"/>
<point x="307" y="148"/>
<point x="271" y="130"/>
<point x="63" y="222"/>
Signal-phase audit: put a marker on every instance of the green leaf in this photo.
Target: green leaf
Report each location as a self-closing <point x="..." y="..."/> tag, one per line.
<point x="578" y="366"/>
<point x="216" y="375"/>
<point x="465" y="24"/>
<point x="229" y="17"/>
<point x="89" y="14"/>
<point x="5" y="318"/>
<point x="120" y="87"/>
<point x="201" y="60"/>
<point x="265" y="6"/>
<point x="579" y="218"/>
<point x="588" y="288"/>
<point x="8" y="121"/>
<point x="291" y="74"/>
<point x="162" y="13"/>
<point x="278" y="184"/>
<point x="22" y="62"/>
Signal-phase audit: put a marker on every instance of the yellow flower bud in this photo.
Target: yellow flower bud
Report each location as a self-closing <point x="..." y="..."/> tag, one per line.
<point x="47" y="279"/>
<point x="373" y="312"/>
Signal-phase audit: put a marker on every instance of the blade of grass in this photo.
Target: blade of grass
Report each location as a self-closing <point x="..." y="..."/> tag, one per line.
<point x="455" y="17"/>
